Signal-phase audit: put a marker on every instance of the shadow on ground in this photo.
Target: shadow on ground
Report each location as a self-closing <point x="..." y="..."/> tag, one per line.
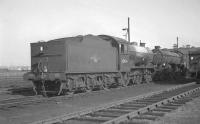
<point x="24" y="91"/>
<point x="177" y="81"/>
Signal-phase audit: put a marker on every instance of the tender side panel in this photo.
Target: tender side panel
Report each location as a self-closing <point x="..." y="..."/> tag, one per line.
<point x="50" y="55"/>
<point x="91" y="54"/>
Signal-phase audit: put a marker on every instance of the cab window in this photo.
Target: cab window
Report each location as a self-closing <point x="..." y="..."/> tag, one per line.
<point x="122" y="48"/>
<point x="125" y="48"/>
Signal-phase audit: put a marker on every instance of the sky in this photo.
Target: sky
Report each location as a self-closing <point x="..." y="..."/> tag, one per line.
<point x="155" y="22"/>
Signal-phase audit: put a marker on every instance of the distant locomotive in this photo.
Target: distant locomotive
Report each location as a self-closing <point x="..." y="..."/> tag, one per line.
<point x="92" y="62"/>
<point x="168" y="63"/>
<point x="166" y="57"/>
<point x="194" y="64"/>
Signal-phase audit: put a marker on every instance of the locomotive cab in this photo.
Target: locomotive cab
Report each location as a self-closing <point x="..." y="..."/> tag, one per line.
<point x="135" y="61"/>
<point x="124" y="57"/>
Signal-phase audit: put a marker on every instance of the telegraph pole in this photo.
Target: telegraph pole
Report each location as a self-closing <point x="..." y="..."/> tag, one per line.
<point x="177" y="41"/>
<point x="129" y="40"/>
<point x="128" y="30"/>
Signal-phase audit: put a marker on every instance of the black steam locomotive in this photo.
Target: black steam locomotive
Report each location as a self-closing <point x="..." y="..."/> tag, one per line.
<point x="93" y="62"/>
<point x="194" y="63"/>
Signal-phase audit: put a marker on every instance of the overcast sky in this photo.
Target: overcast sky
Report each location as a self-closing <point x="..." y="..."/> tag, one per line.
<point x="156" y="22"/>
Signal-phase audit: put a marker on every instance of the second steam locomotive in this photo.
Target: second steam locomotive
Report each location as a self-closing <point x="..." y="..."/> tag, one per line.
<point x="93" y="62"/>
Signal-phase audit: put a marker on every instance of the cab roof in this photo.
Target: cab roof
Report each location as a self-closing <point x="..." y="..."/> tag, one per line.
<point x="117" y="39"/>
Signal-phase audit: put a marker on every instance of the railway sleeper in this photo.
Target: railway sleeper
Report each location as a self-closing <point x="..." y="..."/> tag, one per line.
<point x="176" y="103"/>
<point x="137" y="103"/>
<point x="195" y="95"/>
<point x="162" y="110"/>
<point x="117" y="110"/>
<point x="106" y="114"/>
<point x="135" y="121"/>
<point x="154" y="113"/>
<point x="167" y="107"/>
<point x="145" y="117"/>
<point x="145" y="102"/>
<point x="183" y="101"/>
<point x="173" y="104"/>
<point x="89" y="118"/>
<point x="161" y="95"/>
<point x="126" y="108"/>
<point x="154" y="98"/>
<point x="133" y="105"/>
<point x="167" y="95"/>
<point x="187" y="97"/>
<point x="150" y="100"/>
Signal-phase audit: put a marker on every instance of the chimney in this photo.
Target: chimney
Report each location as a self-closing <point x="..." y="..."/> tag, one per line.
<point x="142" y="44"/>
<point x="134" y="43"/>
<point x="157" y="47"/>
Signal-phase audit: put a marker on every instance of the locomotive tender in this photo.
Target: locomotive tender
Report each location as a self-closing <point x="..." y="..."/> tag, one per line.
<point x="92" y="62"/>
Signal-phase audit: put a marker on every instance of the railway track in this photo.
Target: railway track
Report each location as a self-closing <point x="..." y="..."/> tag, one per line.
<point x="132" y="110"/>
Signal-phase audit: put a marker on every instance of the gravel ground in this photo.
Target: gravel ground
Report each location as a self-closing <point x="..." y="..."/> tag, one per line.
<point x="12" y="85"/>
<point x="19" y="89"/>
<point x="186" y="114"/>
<point x="31" y="113"/>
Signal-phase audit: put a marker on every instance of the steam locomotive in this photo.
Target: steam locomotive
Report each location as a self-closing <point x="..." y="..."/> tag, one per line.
<point x="194" y="63"/>
<point x="93" y="62"/>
